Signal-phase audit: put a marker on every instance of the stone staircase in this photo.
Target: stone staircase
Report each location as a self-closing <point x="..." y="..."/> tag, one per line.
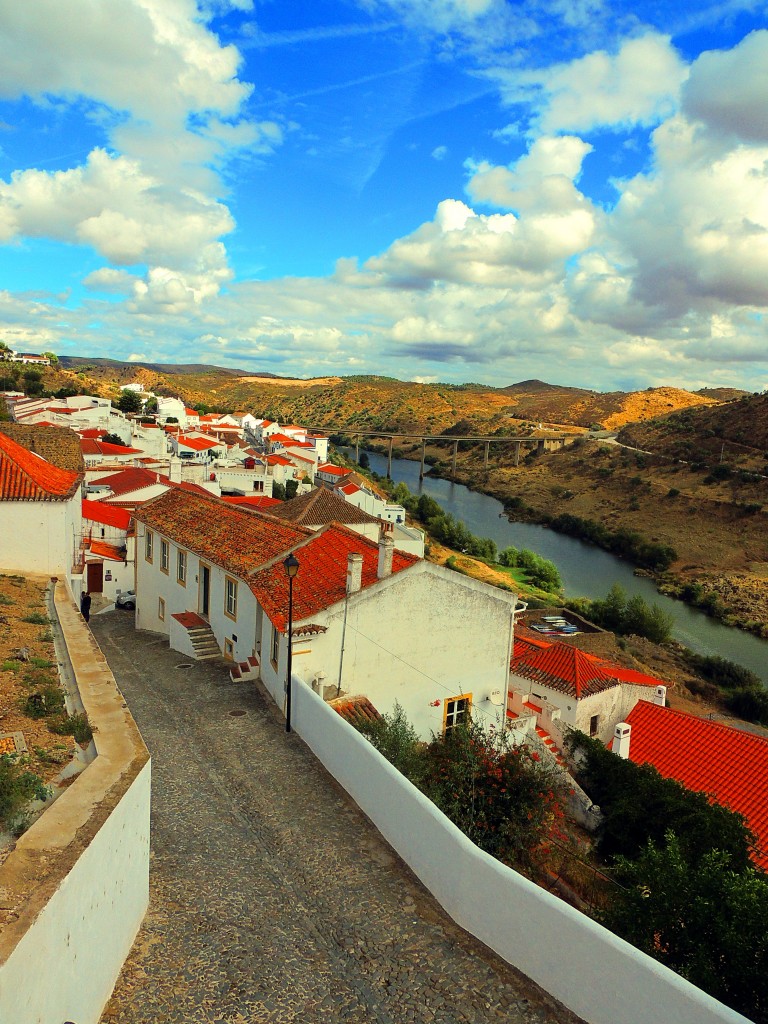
<point x="551" y="746"/>
<point x="200" y="636"/>
<point x="245" y="670"/>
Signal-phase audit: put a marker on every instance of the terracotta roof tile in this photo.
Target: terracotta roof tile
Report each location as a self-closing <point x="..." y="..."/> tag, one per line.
<point x="569" y="670"/>
<point x="330" y="470"/>
<point x="26" y="476"/>
<point x="322" y="577"/>
<point x="104" y="550"/>
<point x="91" y="446"/>
<point x="322" y="506"/>
<point x="355" y="710"/>
<point x="239" y="540"/>
<point x="108" y="515"/>
<point x="251" y="501"/>
<point x="728" y="764"/>
<point x="57" y="445"/>
<point x="198" y="444"/>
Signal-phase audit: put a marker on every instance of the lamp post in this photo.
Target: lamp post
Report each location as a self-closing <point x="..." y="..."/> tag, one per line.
<point x="291" y="566"/>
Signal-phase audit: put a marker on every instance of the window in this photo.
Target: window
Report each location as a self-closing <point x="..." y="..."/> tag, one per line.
<point x="274" y="653"/>
<point x="161" y="609"/>
<point x="149" y="545"/>
<point x="165" y="556"/>
<point x="181" y="568"/>
<point x="457" y="711"/>
<point x="594" y="723"/>
<point x="230" y="598"/>
<point x="229" y="649"/>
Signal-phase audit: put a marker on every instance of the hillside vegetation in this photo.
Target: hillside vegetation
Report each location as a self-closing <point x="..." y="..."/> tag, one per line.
<point x="371" y="403"/>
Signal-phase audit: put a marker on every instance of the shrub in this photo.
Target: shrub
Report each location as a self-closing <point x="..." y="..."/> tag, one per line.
<point x="672" y="492"/>
<point x="76" y="725"/>
<point x="44" y="702"/>
<point x="36" y="618"/>
<point x="4" y="599"/>
<point x="17" y="788"/>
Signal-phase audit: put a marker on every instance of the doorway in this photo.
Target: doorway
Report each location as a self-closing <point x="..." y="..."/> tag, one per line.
<point x="205" y="589"/>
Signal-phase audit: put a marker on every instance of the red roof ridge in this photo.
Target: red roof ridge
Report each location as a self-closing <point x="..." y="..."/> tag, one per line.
<point x="27" y="476"/>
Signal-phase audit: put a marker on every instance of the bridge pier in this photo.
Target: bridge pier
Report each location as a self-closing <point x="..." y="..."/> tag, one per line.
<point x="517" y="453"/>
<point x="389" y="459"/>
<point x="455" y="453"/>
<point x="357" y="448"/>
<point x="421" y="465"/>
<point x="487" y="449"/>
<point x="540" y="447"/>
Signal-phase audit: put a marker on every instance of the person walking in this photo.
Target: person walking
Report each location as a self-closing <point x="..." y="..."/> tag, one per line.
<point x="85" y="606"/>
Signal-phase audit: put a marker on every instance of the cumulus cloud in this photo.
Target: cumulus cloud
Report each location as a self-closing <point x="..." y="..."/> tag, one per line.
<point x="639" y="84"/>
<point x="727" y="89"/>
<point x="439" y="152"/>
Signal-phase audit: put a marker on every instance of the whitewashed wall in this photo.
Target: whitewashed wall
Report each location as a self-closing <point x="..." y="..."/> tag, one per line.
<point x="41" y="536"/>
<point x="419" y="637"/>
<point x="152" y="583"/>
<point x="596" y="974"/>
<point x="65" y="966"/>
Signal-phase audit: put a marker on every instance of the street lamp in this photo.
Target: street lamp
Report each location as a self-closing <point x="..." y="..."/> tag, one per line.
<point x="291" y="566"/>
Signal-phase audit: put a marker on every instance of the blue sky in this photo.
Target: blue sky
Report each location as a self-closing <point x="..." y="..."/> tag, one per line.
<point x="448" y="190"/>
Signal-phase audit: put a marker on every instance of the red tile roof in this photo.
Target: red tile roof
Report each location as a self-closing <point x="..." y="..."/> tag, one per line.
<point x="728" y="764"/>
<point x="331" y="470"/>
<point x="278" y="460"/>
<point x="281" y="439"/>
<point x="322" y="577"/>
<point x="198" y="444"/>
<point x="239" y="540"/>
<point x="90" y="446"/>
<point x="252" y="501"/>
<point x="322" y="506"/>
<point x="108" y="515"/>
<point x="96" y="432"/>
<point x="132" y="478"/>
<point x="25" y="476"/>
<point x="569" y="670"/>
<point x="105" y="550"/>
<point x="355" y="710"/>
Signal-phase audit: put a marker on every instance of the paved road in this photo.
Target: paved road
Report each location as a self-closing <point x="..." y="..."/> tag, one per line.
<point x="273" y="898"/>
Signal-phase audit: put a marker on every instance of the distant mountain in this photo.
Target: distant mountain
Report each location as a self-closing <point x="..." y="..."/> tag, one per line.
<point x="723" y="394"/>
<point x="172" y="369"/>
<point x="532" y="387"/>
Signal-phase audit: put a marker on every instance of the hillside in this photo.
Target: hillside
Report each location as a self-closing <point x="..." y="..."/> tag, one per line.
<point x="370" y="402"/>
<point x="736" y="433"/>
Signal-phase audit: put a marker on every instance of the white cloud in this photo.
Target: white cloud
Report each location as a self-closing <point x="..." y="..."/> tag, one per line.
<point x="728" y="89"/>
<point x="637" y="85"/>
<point x="440" y="153"/>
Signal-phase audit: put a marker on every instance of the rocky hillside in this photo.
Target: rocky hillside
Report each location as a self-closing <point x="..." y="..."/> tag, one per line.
<point x="733" y="433"/>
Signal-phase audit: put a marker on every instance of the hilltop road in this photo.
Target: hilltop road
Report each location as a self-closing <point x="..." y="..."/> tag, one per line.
<point x="273" y="898"/>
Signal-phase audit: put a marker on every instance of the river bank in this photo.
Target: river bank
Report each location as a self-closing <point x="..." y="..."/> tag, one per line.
<point x="715" y="530"/>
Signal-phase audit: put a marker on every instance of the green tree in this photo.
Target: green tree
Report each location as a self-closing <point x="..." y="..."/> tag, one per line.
<point x="291" y="487"/>
<point x="708" y="922"/>
<point x="129" y="401"/>
<point x="278" y="491"/>
<point x="114" y="439"/>
<point x="52" y="356"/>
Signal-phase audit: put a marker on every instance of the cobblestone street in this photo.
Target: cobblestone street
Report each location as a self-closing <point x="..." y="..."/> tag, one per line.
<point x="273" y="899"/>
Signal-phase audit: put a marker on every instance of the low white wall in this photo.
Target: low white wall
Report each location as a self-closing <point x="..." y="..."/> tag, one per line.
<point x="596" y="974"/>
<point x="65" y="967"/>
<point x="76" y="886"/>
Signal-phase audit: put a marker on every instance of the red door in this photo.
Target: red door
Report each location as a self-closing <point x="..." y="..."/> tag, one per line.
<point x="95" y="577"/>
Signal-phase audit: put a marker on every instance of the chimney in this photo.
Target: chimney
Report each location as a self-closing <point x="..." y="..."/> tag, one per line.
<point x="354" y="573"/>
<point x="386" y="550"/>
<point x="660" y="696"/>
<point x="621" y="738"/>
<point x="174" y="470"/>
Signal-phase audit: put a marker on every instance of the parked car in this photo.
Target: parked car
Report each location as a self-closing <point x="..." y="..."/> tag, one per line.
<point x="126" y="599"/>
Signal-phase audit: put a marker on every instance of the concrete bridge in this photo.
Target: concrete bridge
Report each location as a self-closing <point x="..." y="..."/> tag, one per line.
<point x="540" y="443"/>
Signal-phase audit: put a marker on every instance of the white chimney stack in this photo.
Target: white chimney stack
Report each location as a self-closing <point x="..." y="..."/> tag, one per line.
<point x="354" y="573"/>
<point x="660" y="696"/>
<point x="621" y="738"/>
<point x="386" y="550"/>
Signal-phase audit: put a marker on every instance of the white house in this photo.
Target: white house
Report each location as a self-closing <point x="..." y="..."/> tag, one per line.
<point x="366" y="619"/>
<point x="109" y="547"/>
<point x="587" y="693"/>
<point x="41" y="513"/>
<point x="197" y="448"/>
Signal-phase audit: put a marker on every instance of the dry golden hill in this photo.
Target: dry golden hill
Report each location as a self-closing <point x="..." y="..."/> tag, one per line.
<point x="371" y="403"/>
<point x="610" y="410"/>
<point x="735" y="433"/>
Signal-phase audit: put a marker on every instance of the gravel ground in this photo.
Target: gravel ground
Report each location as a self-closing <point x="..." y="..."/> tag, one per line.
<point x="273" y="898"/>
